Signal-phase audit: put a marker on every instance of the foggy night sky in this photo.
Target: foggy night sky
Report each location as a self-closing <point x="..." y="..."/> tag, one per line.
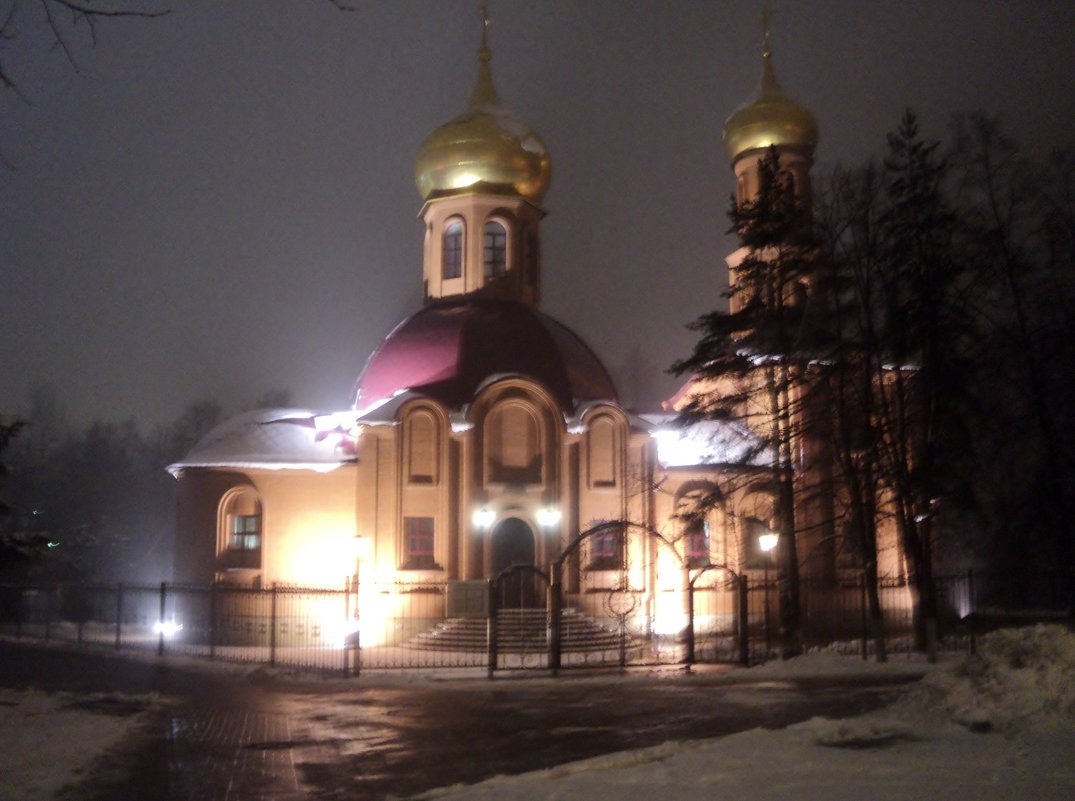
<point x="221" y="202"/>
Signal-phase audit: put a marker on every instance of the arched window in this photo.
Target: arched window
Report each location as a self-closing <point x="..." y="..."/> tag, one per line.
<point x="754" y="510"/>
<point x="755" y="556"/>
<point x="741" y="190"/>
<point x="699" y="509"/>
<point x="421" y="446"/>
<point x="696" y="543"/>
<point x="240" y="520"/>
<point x="512" y="445"/>
<point x="452" y="250"/>
<point x="602" y="452"/>
<point x="495" y="254"/>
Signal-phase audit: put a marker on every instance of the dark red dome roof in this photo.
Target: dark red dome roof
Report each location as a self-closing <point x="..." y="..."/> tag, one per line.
<point x="448" y="349"/>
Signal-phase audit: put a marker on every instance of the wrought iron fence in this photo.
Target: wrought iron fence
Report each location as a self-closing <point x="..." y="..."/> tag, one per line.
<point x="474" y="625"/>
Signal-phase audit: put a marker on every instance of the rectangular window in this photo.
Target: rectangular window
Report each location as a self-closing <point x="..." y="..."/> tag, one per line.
<point x="496" y="250"/>
<point x="244" y="542"/>
<point x="606" y="549"/>
<point x="696" y="544"/>
<point x="452" y="256"/>
<point x="418" y="544"/>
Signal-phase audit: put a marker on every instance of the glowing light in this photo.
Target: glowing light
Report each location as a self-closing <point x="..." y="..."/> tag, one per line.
<point x="484" y="517"/>
<point x="360" y="547"/>
<point x="549" y="516"/>
<point x="169" y="628"/>
<point x="768" y="541"/>
<point x="710" y="442"/>
<point x="670" y="619"/>
<point x="465" y="179"/>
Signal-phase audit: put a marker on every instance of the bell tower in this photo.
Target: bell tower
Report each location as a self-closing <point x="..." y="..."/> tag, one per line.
<point x="482" y="176"/>
<point x="770" y="120"/>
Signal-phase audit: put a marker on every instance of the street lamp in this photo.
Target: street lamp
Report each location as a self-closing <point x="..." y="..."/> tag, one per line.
<point x="484" y="517"/>
<point x="548" y="516"/>
<point x="767" y="541"/>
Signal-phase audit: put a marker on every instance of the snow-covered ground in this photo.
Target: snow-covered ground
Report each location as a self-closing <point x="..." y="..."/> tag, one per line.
<point x="47" y="740"/>
<point x="1000" y="725"/>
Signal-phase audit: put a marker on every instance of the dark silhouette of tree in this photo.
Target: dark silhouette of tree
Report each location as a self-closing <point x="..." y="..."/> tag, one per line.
<point x="750" y="359"/>
<point x="847" y="224"/>
<point x="17" y="545"/>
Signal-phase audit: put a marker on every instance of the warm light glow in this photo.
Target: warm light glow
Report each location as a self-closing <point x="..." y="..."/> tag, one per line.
<point x="670" y="619"/>
<point x="169" y="628"/>
<point x="768" y="540"/>
<point x="376" y="612"/>
<point x="549" y="516"/>
<point x="709" y="442"/>
<point x="360" y="547"/>
<point x="484" y="517"/>
<point x="465" y="179"/>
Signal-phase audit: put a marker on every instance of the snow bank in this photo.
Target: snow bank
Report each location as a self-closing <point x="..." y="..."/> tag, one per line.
<point x="47" y="740"/>
<point x="929" y="746"/>
<point x="1020" y="679"/>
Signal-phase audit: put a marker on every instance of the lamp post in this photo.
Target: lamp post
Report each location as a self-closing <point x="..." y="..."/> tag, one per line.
<point x="360" y="547"/>
<point x="767" y="541"/>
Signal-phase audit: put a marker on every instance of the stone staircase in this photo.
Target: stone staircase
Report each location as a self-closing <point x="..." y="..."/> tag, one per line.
<point x="520" y="631"/>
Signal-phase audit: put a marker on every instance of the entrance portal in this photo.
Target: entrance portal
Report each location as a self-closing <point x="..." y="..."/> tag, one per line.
<point x="512" y="543"/>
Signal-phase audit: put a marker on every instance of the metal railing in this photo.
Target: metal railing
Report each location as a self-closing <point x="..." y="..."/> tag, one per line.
<point x="469" y="626"/>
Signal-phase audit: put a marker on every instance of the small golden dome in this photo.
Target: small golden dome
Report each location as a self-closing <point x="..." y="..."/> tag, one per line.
<point x="772" y="118"/>
<point x="486" y="144"/>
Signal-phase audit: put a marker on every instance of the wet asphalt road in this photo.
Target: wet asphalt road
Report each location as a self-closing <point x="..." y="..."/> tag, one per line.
<point x="221" y="736"/>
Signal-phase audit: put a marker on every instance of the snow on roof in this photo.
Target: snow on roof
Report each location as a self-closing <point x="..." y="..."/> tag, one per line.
<point x="276" y="439"/>
<point x="710" y="442"/>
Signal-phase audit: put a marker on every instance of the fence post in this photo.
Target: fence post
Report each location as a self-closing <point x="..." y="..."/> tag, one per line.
<point x="81" y="622"/>
<point x="50" y="598"/>
<point x="555" y="602"/>
<point x="212" y="620"/>
<point x="863" y="616"/>
<point x="346" y="620"/>
<point x="744" y="621"/>
<point x="18" y="613"/>
<point x="272" y="625"/>
<point x="973" y="614"/>
<point x="491" y="643"/>
<point x="160" y="620"/>
<point x="119" y="614"/>
<point x="689" y="660"/>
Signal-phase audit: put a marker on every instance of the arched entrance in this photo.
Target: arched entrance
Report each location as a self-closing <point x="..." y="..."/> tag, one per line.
<point x="512" y="543"/>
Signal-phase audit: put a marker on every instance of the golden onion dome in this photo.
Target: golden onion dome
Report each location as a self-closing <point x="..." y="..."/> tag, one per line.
<point x="772" y="118"/>
<point x="486" y="144"/>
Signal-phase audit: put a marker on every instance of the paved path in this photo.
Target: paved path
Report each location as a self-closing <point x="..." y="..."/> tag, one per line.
<point x="220" y="736"/>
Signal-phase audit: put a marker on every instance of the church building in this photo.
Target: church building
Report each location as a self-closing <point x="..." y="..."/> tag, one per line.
<point x="483" y="433"/>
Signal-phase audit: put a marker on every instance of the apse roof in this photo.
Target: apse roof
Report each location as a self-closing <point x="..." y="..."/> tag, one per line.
<point x="275" y="439"/>
<point x="707" y="443"/>
<point x="449" y="350"/>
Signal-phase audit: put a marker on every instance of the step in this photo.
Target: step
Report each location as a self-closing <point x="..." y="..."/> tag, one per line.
<point x="520" y="630"/>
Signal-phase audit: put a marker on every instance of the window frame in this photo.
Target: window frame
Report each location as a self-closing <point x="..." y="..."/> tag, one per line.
<point x="242" y="533"/>
<point x="425" y="556"/>
<point x="452" y="249"/>
<point x="488" y="264"/>
<point x="607" y="549"/>
<point x="694" y="555"/>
